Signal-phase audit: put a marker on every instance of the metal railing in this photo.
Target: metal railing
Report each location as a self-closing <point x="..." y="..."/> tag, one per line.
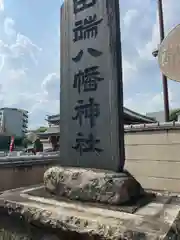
<point x="15" y="161"/>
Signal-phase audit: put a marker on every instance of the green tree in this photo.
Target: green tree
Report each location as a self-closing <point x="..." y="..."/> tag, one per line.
<point x="173" y="116"/>
<point x="26" y="142"/>
<point x="18" y="141"/>
<point x="41" y="129"/>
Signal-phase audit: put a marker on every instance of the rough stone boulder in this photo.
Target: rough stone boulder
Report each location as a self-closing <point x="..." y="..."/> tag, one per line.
<point x="92" y="185"/>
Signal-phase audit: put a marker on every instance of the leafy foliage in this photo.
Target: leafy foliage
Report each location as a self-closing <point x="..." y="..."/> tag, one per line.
<point x="174" y="114"/>
<point x="41" y="129"/>
<point x="26" y="142"/>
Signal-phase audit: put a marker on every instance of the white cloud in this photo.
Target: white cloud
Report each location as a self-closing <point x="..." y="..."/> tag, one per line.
<point x="9" y="26"/>
<point x="17" y="74"/>
<point x="130" y="15"/>
<point x="20" y="52"/>
<point x="51" y="86"/>
<point x="24" y="47"/>
<point x="151" y="101"/>
<point x="17" y="54"/>
<point x="1" y="5"/>
<point x="41" y="109"/>
<point x="129" y="69"/>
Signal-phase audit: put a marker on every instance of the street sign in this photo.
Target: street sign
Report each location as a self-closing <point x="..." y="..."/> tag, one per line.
<point x="169" y="55"/>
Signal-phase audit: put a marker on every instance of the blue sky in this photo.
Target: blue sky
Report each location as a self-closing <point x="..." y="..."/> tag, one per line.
<point x="30" y="65"/>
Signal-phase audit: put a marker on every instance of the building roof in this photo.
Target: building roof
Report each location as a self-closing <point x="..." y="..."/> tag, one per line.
<point x="15" y="109"/>
<point x="54" y="117"/>
<point x="53" y="130"/>
<point x="129" y="116"/>
<point x="137" y="116"/>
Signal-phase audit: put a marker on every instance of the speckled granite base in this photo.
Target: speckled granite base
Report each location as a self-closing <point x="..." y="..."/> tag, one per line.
<point x="14" y="228"/>
<point x="92" y="185"/>
<point x="44" y="218"/>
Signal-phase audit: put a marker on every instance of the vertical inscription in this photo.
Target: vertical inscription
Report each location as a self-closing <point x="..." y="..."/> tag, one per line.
<point x="86" y="80"/>
<point x="91" y="85"/>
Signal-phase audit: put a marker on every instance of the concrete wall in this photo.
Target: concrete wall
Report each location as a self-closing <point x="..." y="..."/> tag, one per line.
<point x="153" y="157"/>
<point x="15" y="175"/>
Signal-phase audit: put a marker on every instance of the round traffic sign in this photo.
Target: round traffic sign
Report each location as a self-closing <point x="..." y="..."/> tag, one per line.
<point x="169" y="55"/>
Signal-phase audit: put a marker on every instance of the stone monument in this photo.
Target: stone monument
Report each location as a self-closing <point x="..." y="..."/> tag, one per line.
<point x="88" y="195"/>
<point x="91" y="86"/>
<point x="91" y="98"/>
<point x="92" y="132"/>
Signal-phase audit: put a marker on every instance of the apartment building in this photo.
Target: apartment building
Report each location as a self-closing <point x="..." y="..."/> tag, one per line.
<point x="13" y="121"/>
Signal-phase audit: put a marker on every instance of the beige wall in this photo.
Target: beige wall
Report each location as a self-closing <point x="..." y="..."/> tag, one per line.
<point x="16" y="177"/>
<point x="153" y="157"/>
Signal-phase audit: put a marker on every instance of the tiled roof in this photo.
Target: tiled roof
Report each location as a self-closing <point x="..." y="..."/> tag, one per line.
<point x="127" y="112"/>
<point x="50" y="131"/>
<point x="138" y="116"/>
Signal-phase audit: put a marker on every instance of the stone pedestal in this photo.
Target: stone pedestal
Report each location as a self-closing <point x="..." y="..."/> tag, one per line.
<point x="31" y="213"/>
<point x="92" y="185"/>
<point x="82" y="204"/>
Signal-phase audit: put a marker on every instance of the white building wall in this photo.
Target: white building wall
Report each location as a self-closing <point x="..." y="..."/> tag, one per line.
<point x="159" y="116"/>
<point x="12" y="121"/>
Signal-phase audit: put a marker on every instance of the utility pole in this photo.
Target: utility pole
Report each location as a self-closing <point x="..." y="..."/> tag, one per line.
<point x="119" y="88"/>
<point x="164" y="78"/>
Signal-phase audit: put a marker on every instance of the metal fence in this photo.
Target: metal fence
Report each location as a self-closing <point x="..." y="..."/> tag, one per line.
<point x="26" y="160"/>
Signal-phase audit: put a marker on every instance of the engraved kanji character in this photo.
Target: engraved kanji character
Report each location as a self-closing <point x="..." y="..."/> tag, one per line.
<point x="87" y="28"/>
<point x="87" y="144"/>
<point x="87" y="80"/>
